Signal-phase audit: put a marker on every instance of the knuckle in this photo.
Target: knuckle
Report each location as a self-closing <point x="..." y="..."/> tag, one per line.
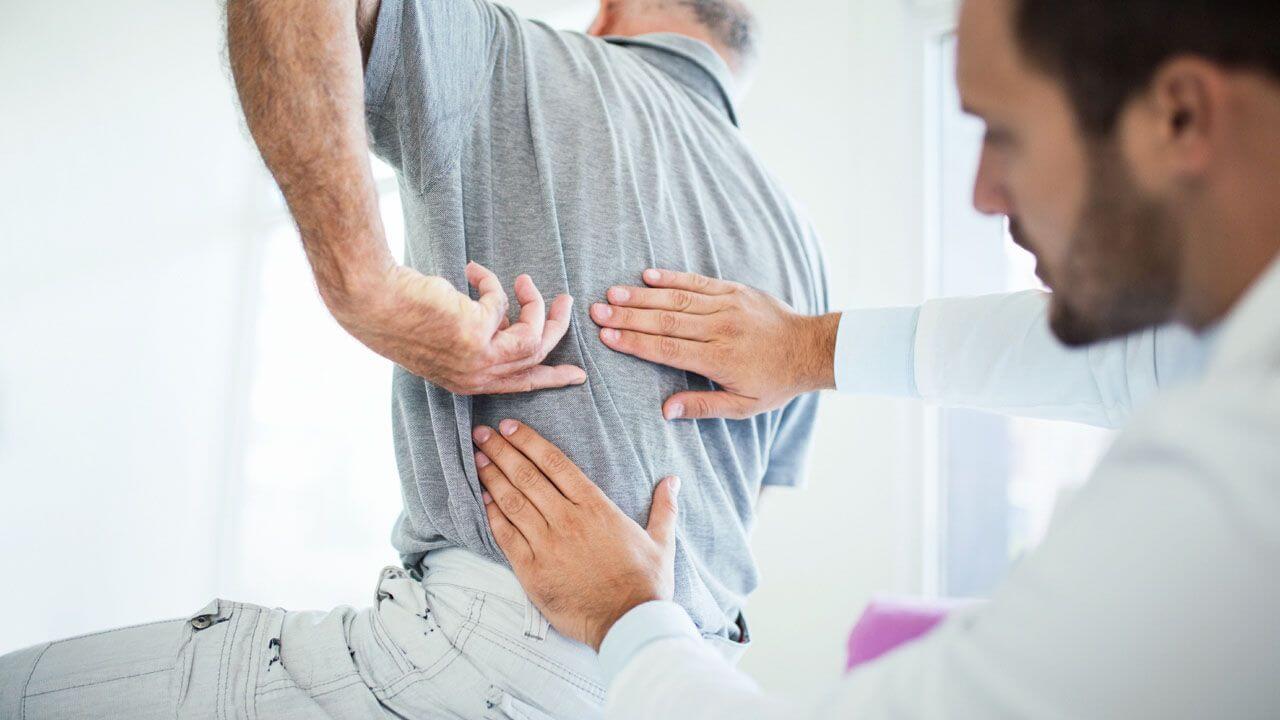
<point x="668" y="349"/>
<point x="524" y="476"/>
<point x="667" y="322"/>
<point x="555" y="463"/>
<point x="701" y="282"/>
<point x="681" y="300"/>
<point x="701" y="407"/>
<point x="725" y="329"/>
<point x="515" y="504"/>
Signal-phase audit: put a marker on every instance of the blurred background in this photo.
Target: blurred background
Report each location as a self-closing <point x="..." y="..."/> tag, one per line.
<point x="181" y="419"/>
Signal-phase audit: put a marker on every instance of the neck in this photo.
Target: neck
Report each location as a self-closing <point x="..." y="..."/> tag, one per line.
<point x="631" y="26"/>
<point x="1233" y="231"/>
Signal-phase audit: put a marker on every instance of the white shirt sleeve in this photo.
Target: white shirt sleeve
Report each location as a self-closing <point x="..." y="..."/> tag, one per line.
<point x="996" y="353"/>
<point x="1153" y="595"/>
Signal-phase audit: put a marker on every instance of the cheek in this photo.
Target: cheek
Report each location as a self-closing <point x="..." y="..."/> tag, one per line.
<point x="1050" y="197"/>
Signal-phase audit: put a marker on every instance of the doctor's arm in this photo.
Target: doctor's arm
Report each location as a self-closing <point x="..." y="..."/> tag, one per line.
<point x="992" y="353"/>
<point x="1120" y="612"/>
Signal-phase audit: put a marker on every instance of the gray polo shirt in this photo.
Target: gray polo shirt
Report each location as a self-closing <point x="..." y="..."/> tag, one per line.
<point x="582" y="162"/>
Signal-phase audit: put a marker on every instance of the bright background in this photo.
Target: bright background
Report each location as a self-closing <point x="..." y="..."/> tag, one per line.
<point x="180" y="418"/>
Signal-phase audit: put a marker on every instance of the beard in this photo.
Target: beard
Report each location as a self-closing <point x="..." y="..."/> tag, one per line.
<point x="1121" y="270"/>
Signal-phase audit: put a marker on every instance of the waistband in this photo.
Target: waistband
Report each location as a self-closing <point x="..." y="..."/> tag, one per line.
<point x="464" y="568"/>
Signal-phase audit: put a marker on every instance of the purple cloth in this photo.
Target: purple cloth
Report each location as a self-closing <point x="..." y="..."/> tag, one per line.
<point x="889" y="622"/>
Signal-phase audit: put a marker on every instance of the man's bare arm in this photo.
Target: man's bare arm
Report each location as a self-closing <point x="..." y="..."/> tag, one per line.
<point x="298" y="68"/>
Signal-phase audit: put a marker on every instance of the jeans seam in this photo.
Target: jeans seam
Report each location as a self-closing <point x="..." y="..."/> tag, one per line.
<point x="22" y="709"/>
<point x="573" y="678"/>
<point x="91" y="684"/>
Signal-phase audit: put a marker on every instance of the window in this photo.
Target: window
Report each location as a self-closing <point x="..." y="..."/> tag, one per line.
<point x="994" y="480"/>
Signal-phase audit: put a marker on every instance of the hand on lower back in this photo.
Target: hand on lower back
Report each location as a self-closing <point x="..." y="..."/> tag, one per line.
<point x="754" y="346"/>
<point x="466" y="346"/>
<point x="582" y="561"/>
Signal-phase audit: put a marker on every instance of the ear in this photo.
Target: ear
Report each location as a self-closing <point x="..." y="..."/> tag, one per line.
<point x="604" y="19"/>
<point x="1189" y="109"/>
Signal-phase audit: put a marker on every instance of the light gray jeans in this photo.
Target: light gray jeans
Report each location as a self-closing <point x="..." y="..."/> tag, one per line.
<point x="464" y="642"/>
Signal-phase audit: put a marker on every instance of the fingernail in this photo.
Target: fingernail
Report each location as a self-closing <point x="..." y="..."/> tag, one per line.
<point x="610" y="335"/>
<point x="486" y="497"/>
<point x="675" y="410"/>
<point x="675" y="485"/>
<point x="582" y="378"/>
<point x="482" y="434"/>
<point x="506" y="427"/>
<point x="652" y="276"/>
<point x="619" y="294"/>
<point x="482" y="460"/>
<point x="602" y="311"/>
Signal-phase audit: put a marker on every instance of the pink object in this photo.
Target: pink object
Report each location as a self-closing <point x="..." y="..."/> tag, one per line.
<point x="889" y="622"/>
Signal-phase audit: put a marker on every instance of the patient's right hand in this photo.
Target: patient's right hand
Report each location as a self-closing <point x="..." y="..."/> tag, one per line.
<point x="466" y="346"/>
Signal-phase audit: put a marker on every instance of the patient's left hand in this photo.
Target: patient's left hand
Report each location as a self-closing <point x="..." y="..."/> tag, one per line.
<point x="581" y="560"/>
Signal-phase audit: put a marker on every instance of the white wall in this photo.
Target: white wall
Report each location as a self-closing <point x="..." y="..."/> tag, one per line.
<point x="835" y="111"/>
<point x="125" y="188"/>
<point x="130" y="203"/>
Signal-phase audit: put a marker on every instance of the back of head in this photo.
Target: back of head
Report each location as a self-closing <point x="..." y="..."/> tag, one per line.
<point x="727" y="25"/>
<point x="1107" y="51"/>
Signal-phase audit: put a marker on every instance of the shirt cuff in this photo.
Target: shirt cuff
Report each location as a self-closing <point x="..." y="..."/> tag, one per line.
<point x="643" y="624"/>
<point x="875" y="352"/>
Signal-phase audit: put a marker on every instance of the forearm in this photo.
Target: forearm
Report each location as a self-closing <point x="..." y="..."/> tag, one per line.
<point x="298" y="71"/>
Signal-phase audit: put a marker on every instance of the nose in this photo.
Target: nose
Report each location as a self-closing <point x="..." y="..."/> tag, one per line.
<point x="989" y="195"/>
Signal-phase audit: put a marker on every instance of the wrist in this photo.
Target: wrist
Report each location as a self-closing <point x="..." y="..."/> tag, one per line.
<point x="596" y="638"/>
<point x="815" y="352"/>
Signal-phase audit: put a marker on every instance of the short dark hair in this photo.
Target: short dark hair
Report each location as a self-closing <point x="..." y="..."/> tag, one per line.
<point x="729" y="21"/>
<point x="1107" y="51"/>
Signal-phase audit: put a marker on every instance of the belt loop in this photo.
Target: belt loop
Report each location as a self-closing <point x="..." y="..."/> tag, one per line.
<point x="535" y="625"/>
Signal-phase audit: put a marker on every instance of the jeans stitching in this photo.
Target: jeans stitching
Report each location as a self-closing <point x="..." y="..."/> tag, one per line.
<point x="22" y="710"/>
<point x="577" y="680"/>
<point x="97" y="682"/>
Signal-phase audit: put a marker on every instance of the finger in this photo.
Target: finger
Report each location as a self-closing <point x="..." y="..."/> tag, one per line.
<point x="663" y="513"/>
<point x="512" y="544"/>
<point x="718" y="404"/>
<point x="653" y="322"/>
<point x="687" y="281"/>
<point x="663" y="299"/>
<point x="520" y="471"/>
<point x="539" y="377"/>
<point x="492" y="297"/>
<point x="520" y="345"/>
<point x="557" y="323"/>
<point x="554" y="464"/>
<point x="676" y="353"/>
<point x="514" y="503"/>
<point x="533" y="310"/>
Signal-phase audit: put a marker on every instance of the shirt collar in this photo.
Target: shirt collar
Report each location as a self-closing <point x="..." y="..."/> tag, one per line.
<point x="690" y="62"/>
<point x="1249" y="335"/>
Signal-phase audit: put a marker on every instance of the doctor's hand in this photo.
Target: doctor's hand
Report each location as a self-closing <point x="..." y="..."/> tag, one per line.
<point x="469" y="347"/>
<point x="754" y="346"/>
<point x="581" y="560"/>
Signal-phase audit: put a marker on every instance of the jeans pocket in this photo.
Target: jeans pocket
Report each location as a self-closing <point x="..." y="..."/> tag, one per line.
<point x="406" y="630"/>
<point x="502" y="705"/>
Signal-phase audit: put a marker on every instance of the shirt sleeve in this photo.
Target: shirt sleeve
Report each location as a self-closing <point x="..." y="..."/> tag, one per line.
<point x="1151" y="596"/>
<point x="875" y="352"/>
<point x="997" y="353"/>
<point x="425" y="79"/>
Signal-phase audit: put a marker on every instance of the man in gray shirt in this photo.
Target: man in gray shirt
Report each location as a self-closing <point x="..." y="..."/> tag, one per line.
<point x="578" y="159"/>
<point x="582" y="162"/>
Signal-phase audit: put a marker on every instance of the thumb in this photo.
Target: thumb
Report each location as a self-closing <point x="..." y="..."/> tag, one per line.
<point x="718" y="404"/>
<point x="662" y="514"/>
